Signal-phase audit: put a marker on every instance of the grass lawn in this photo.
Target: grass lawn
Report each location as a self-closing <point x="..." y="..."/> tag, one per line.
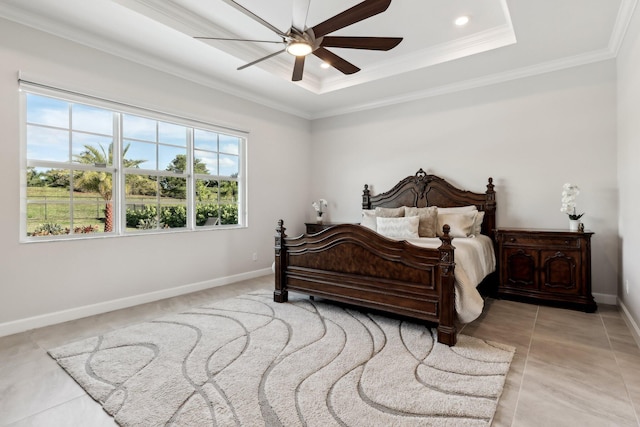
<point x="52" y="205"/>
<point x="46" y="205"/>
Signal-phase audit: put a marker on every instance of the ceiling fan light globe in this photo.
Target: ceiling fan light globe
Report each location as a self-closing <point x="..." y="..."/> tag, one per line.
<point x="299" y="49"/>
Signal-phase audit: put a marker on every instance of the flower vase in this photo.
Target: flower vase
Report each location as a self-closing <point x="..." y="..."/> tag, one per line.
<point x="574" y="224"/>
<point x="319" y="218"/>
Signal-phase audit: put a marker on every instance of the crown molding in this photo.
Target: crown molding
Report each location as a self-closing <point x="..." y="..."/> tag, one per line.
<point x="625" y="13"/>
<point x="520" y="73"/>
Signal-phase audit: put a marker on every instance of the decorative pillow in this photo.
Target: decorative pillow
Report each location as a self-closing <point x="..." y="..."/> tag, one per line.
<point x="369" y="219"/>
<point x="461" y="224"/>
<point x="428" y="219"/>
<point x="390" y="212"/>
<point x="398" y="228"/>
<point x="477" y="225"/>
<point x="457" y="209"/>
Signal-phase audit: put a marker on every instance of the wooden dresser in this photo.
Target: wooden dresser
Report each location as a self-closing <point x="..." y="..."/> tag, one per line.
<point x="545" y="266"/>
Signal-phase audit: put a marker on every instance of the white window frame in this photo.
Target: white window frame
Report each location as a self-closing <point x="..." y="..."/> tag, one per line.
<point x="119" y="196"/>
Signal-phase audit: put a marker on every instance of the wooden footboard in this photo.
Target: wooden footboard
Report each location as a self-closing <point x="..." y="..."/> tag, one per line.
<point x="352" y="264"/>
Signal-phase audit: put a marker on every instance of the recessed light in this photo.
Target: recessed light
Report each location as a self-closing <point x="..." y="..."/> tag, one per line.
<point x="325" y="65"/>
<point x="462" y="20"/>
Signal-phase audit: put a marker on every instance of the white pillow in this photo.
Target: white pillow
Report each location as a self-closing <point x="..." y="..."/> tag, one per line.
<point x="461" y="223"/>
<point x="477" y="225"/>
<point x="398" y="228"/>
<point x="369" y="219"/>
<point x="461" y="209"/>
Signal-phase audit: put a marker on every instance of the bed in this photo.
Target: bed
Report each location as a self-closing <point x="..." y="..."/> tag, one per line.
<point x="351" y="263"/>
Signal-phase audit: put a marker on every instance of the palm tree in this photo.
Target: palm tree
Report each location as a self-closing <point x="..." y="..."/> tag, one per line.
<point x="98" y="181"/>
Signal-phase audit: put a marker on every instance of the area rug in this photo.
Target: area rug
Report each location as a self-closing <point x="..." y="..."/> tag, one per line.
<point x="248" y="361"/>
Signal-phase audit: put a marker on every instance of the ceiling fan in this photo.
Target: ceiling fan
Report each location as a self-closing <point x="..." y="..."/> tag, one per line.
<point x="301" y="40"/>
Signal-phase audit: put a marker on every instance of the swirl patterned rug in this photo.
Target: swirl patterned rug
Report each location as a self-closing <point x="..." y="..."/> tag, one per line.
<point x="248" y="361"/>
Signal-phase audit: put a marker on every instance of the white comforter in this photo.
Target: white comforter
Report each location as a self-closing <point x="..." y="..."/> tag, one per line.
<point x="475" y="259"/>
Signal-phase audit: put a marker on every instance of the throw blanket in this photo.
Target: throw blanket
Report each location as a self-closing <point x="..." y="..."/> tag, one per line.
<point x="475" y="259"/>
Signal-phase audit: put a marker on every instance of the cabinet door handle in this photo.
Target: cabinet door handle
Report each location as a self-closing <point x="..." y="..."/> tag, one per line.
<point x="566" y="242"/>
<point x="513" y="239"/>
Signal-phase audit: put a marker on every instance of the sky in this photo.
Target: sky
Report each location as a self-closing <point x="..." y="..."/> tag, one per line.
<point x="58" y="130"/>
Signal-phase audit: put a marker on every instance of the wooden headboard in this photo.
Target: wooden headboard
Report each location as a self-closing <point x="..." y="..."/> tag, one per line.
<point x="423" y="190"/>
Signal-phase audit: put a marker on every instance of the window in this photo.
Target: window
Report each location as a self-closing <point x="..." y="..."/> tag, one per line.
<point x="94" y="168"/>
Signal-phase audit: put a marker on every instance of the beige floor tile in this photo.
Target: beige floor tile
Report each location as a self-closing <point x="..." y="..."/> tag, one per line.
<point x="509" y="398"/>
<point x="620" y="337"/>
<point x="627" y="346"/>
<point x="607" y="310"/>
<point x="571" y="326"/>
<point x="577" y="377"/>
<point x="630" y="369"/>
<point x="501" y="332"/>
<point x="505" y="307"/>
<point x="79" y="412"/>
<point x="56" y="335"/>
<point x="128" y="316"/>
<point x="18" y="349"/>
<point x="520" y="317"/>
<point x="541" y="405"/>
<point x="33" y="387"/>
<point x="616" y="325"/>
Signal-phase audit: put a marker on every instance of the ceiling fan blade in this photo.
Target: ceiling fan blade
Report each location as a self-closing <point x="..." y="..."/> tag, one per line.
<point x="369" y="43"/>
<point x="298" y="69"/>
<point x="357" y="13"/>
<point x="300" y="12"/>
<point x="237" y="40"/>
<point x="335" y="61"/>
<point x="261" y="59"/>
<point x="254" y="17"/>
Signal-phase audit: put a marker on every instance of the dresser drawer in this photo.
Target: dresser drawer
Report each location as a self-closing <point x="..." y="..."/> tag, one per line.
<point x="515" y="239"/>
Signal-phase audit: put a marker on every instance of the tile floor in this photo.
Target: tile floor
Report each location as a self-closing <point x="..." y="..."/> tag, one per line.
<point x="570" y="368"/>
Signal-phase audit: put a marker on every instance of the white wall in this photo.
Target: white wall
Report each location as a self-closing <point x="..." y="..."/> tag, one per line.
<point x="531" y="135"/>
<point x="38" y="279"/>
<point x="628" y="166"/>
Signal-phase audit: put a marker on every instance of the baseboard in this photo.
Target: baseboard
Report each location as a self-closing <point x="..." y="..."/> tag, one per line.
<point x="633" y="326"/>
<point x="607" y="299"/>
<point x="21" y="325"/>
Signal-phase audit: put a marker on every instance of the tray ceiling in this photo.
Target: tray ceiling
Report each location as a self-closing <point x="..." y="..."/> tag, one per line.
<point x="504" y="39"/>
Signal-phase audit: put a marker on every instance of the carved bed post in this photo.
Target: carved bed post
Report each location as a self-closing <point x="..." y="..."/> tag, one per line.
<point x="447" y="333"/>
<point x="280" y="294"/>
<point x="366" y="198"/>
<point x="490" y="210"/>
